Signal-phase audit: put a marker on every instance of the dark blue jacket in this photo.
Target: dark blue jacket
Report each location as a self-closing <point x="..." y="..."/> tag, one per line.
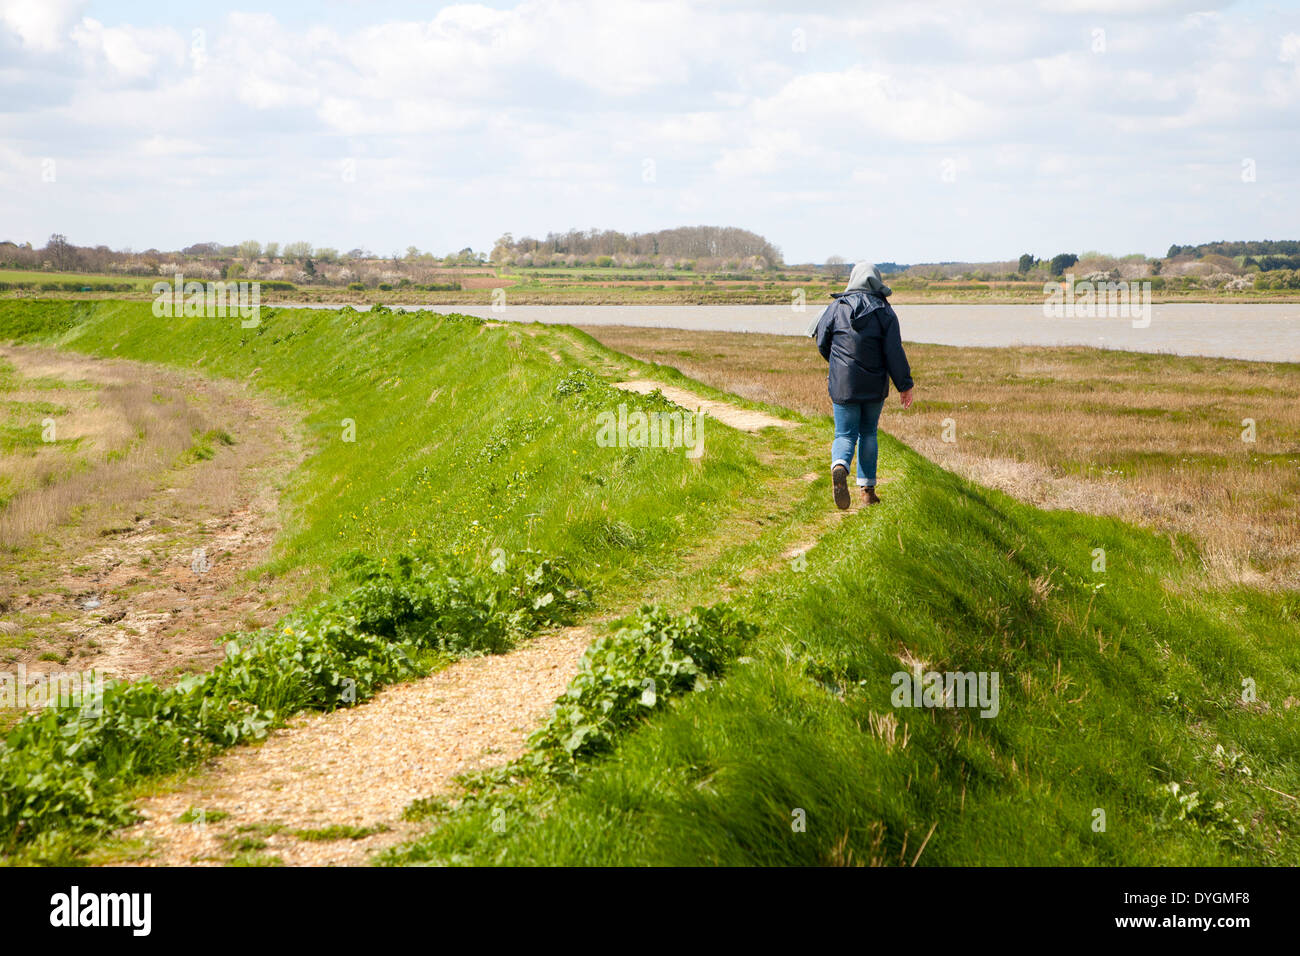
<point x="858" y="335"/>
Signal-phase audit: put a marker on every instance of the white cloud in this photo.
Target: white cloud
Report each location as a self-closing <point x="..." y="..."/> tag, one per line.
<point x="42" y="25"/>
<point x="127" y="53"/>
<point x="477" y="120"/>
<point x="857" y="101"/>
<point x="1289" y="49"/>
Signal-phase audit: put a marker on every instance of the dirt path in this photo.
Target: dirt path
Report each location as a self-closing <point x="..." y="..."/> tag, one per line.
<point x="744" y="419"/>
<point x="358" y="768"/>
<point x="150" y="573"/>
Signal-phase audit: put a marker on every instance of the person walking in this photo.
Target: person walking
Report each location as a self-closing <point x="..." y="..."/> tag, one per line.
<point x="858" y="336"/>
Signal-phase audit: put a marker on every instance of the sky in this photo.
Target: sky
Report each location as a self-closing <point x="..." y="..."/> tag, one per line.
<point x="903" y="132"/>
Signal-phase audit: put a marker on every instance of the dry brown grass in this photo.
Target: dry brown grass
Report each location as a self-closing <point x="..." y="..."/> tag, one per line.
<point x="1155" y="439"/>
<point x="131" y="434"/>
<point x="140" y="503"/>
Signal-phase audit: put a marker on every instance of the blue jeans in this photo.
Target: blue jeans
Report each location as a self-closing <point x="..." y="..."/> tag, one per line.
<point x="855" y="424"/>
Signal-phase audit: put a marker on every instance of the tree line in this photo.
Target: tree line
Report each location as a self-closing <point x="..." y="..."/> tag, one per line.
<point x="1267" y="254"/>
<point x="702" y="243"/>
<point x="60" y="255"/>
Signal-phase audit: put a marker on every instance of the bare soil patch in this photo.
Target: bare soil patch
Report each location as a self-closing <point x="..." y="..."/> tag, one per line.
<point x="144" y="571"/>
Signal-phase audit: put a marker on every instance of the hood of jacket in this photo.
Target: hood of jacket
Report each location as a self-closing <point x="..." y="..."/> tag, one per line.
<point x="866" y="278"/>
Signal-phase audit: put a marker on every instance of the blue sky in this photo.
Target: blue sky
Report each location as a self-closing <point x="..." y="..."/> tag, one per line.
<point x="908" y="132"/>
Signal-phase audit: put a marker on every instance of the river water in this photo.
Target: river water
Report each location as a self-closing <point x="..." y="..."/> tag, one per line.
<point x="1259" y="332"/>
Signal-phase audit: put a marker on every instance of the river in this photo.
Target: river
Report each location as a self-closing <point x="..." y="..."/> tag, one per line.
<point x="1262" y="332"/>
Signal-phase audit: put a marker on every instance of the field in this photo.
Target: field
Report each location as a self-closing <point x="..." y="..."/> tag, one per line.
<point x="590" y="286"/>
<point x="453" y="502"/>
<point x="11" y="279"/>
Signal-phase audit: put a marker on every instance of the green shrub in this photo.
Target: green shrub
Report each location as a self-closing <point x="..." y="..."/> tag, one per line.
<point x="68" y="769"/>
<point x="626" y="676"/>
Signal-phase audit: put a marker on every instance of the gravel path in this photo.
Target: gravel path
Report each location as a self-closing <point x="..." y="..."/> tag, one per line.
<point x="744" y="419"/>
<point x="359" y="767"/>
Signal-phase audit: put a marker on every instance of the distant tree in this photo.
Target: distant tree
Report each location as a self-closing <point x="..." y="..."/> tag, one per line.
<point x="503" y="247"/>
<point x="412" y="253"/>
<point x="202" y="250"/>
<point x="309" y="267"/>
<point x="1027" y="262"/>
<point x="326" y="254"/>
<point x="272" y="250"/>
<point x="59" y="251"/>
<point x="250" y="249"/>
<point x="297" y="250"/>
<point x="1062" y="262"/>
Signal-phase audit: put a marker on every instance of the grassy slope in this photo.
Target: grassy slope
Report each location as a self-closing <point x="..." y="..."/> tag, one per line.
<point x="1108" y="694"/>
<point x="461" y="443"/>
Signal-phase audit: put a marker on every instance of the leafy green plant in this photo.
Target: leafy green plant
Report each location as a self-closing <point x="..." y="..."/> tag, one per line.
<point x="67" y="769"/>
<point x="626" y="676"/>
<point x="1190" y="807"/>
<point x="339" y="831"/>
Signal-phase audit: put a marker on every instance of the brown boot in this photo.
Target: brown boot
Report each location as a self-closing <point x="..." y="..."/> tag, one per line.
<point x="840" y="483"/>
<point x="869" y="496"/>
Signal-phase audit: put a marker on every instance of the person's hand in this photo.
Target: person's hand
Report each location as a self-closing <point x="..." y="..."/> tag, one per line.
<point x="906" y="398"/>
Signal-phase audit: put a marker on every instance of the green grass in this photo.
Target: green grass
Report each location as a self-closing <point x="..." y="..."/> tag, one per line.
<point x="205" y="445"/>
<point x="1116" y="687"/>
<point x="74" y="281"/>
<point x="338" y="831"/>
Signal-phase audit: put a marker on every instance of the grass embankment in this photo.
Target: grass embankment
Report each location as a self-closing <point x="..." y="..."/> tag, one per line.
<point x="429" y="432"/>
<point x="462" y="443"/>
<point x="1115" y="685"/>
<point x="1121" y="693"/>
<point x="1156" y="439"/>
